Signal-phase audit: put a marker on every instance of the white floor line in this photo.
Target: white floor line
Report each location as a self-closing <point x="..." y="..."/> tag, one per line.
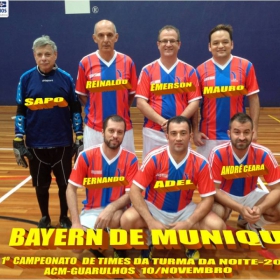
<point x="14" y="189"/>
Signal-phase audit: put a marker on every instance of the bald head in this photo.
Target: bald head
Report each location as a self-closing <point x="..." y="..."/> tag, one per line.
<point x="104" y="23"/>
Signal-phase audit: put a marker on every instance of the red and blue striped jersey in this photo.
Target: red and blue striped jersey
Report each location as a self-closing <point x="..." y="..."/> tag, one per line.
<point x="223" y="155"/>
<point x="159" y="165"/>
<point x="92" y="163"/>
<point x="100" y="105"/>
<point x="217" y="112"/>
<point x="168" y="105"/>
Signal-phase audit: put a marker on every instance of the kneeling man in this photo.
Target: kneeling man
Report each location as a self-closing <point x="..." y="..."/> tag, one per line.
<point x="103" y="207"/>
<point x="236" y="166"/>
<point x="175" y="209"/>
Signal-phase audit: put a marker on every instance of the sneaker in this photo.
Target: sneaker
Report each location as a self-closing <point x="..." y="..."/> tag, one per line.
<point x="256" y="229"/>
<point x="119" y="253"/>
<point x="65" y="222"/>
<point x="45" y="222"/>
<point x="241" y="222"/>
<point x="147" y="253"/>
<point x="192" y="254"/>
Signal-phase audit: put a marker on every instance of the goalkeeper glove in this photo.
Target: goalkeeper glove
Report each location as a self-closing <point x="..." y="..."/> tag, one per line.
<point x="20" y="152"/>
<point x="78" y="146"/>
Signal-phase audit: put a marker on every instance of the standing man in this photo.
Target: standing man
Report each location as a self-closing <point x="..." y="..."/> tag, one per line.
<point x="168" y="69"/>
<point x="216" y="75"/>
<point x="103" y="207"/>
<point x="47" y="108"/>
<point x="173" y="209"/>
<point x="108" y="65"/>
<point x="238" y="190"/>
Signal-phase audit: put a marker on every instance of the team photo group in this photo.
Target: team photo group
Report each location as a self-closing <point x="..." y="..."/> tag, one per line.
<point x="195" y="130"/>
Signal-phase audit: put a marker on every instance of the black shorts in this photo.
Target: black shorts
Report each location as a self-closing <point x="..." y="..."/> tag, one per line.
<point x="58" y="160"/>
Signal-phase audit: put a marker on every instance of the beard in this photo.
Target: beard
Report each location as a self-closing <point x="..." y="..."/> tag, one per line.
<point x="241" y="145"/>
<point x="112" y="144"/>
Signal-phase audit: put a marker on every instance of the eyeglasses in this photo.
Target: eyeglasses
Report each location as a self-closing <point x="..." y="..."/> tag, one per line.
<point x="170" y="41"/>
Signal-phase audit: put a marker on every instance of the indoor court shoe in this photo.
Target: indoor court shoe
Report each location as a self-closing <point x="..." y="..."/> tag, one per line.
<point x="241" y="222"/>
<point x="65" y="222"/>
<point x="192" y="254"/>
<point x="45" y="222"/>
<point x="119" y="253"/>
<point x="148" y="253"/>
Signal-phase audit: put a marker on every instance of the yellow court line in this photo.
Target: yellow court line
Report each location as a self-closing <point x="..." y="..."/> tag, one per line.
<point x="274" y="118"/>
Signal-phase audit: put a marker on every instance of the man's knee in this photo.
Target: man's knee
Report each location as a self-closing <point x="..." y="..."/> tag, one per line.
<point x="273" y="214"/>
<point x="130" y="218"/>
<point x="213" y="222"/>
<point x="221" y="211"/>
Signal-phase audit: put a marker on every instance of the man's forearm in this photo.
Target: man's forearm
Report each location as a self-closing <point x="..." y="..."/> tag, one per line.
<point x="254" y="107"/>
<point x="270" y="200"/>
<point x="149" y="112"/>
<point x="139" y="204"/>
<point x="226" y="201"/>
<point x="191" y="109"/>
<point x="83" y="99"/>
<point x="194" y="120"/>
<point x="71" y="194"/>
<point x="120" y="203"/>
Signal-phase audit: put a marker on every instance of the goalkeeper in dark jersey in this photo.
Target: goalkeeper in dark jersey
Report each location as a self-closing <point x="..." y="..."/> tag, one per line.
<point x="47" y="110"/>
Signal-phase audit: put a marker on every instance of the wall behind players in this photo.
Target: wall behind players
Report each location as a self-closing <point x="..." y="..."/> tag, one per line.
<point x="256" y="36"/>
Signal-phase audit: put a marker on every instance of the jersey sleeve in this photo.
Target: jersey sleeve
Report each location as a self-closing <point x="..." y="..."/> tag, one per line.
<point x="216" y="166"/>
<point x="273" y="176"/>
<point x="143" y="86"/>
<point x="133" y="78"/>
<point x="81" y="80"/>
<point x="75" y="108"/>
<point x="20" y="120"/>
<point x="145" y="174"/>
<point x="79" y="171"/>
<point x="251" y="80"/>
<point x="194" y="95"/>
<point x="133" y="168"/>
<point x="205" y="184"/>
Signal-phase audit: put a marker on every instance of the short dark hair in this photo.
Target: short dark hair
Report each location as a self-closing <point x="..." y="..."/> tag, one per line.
<point x="225" y="27"/>
<point x="241" y="118"/>
<point x="114" y="118"/>
<point x="179" y="119"/>
<point x="168" y="27"/>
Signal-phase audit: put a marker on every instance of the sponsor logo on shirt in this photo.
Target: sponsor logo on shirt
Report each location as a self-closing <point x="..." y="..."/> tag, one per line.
<point x="94" y="75"/>
<point x="162" y="175"/>
<point x="155" y="82"/>
<point x="96" y="171"/>
<point x="209" y="78"/>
